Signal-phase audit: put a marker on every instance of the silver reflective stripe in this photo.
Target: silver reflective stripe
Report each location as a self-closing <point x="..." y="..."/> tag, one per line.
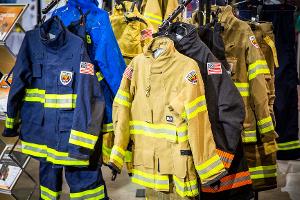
<point x="265" y="125"/>
<point x="243" y="89"/>
<point x="95" y="196"/>
<point x="34" y="149"/>
<point x="55" y="157"/>
<point x="235" y="180"/>
<point x="252" y="71"/>
<point x="210" y="167"/>
<point x="82" y="139"/>
<point x="186" y="188"/>
<point x="115" y="152"/>
<point x="119" y="96"/>
<point x="49" y="195"/>
<point x="192" y="109"/>
<point x="34" y="95"/>
<point x="152" y="181"/>
<point x="269" y="171"/>
<point x="62" y="101"/>
<point x="153" y="130"/>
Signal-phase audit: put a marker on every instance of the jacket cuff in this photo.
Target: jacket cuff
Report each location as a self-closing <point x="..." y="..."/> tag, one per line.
<point x="10" y="132"/>
<point x="226" y="158"/>
<point x="117" y="156"/>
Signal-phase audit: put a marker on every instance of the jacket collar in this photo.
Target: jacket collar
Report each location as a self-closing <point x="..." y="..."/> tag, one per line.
<point x="164" y="43"/>
<point x="55" y="27"/>
<point x="226" y="17"/>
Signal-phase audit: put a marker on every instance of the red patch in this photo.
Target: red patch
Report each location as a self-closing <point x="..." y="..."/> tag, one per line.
<point x="214" y="68"/>
<point x="128" y="73"/>
<point x="87" y="68"/>
<point x="146" y="34"/>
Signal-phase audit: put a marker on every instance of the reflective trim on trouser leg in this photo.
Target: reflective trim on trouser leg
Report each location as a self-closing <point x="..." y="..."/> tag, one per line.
<point x="47" y="194"/>
<point x="93" y="194"/>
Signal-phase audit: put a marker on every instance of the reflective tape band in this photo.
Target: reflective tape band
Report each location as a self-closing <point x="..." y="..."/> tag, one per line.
<point x="230" y="182"/>
<point x="93" y="194"/>
<point x="32" y="149"/>
<point x="265" y="125"/>
<point x="83" y="139"/>
<point x="118" y="155"/>
<point x="50" y="100"/>
<point x="196" y="106"/>
<point x="210" y="168"/>
<point x="226" y="157"/>
<point x="107" y="128"/>
<point x="62" y="158"/>
<point x="153" y="18"/>
<point x="159" y="182"/>
<point x="99" y="76"/>
<point x="123" y="98"/>
<point x="243" y="89"/>
<point x="10" y="122"/>
<point x="105" y="150"/>
<point x="258" y="67"/>
<point x="48" y="194"/>
<point x="189" y="188"/>
<point x="263" y="172"/>
<point x="182" y="133"/>
<point x="284" y="146"/>
<point x="249" y="136"/>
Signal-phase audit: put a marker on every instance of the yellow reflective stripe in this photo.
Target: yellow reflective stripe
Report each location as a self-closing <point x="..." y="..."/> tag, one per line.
<point x="196" y="106"/>
<point x="105" y="150"/>
<point x="128" y="156"/>
<point x="93" y="194"/>
<point x="117" y="154"/>
<point x="263" y="172"/>
<point x="62" y="158"/>
<point x="249" y="136"/>
<point x="107" y="128"/>
<point x="289" y="145"/>
<point x="182" y="133"/>
<point x="123" y="98"/>
<point x="99" y="76"/>
<point x="46" y="193"/>
<point x="32" y="149"/>
<point x="10" y="122"/>
<point x="211" y="167"/>
<point x="265" y="125"/>
<point x="160" y="182"/>
<point x="189" y="188"/>
<point x="258" y="67"/>
<point x="153" y="18"/>
<point x="83" y="139"/>
<point x="243" y="89"/>
<point x="35" y="91"/>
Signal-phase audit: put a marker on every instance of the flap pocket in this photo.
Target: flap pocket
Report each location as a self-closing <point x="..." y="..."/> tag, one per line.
<point x="143" y="157"/>
<point x="180" y="163"/>
<point x="32" y="113"/>
<point x="65" y="117"/>
<point x="37" y="70"/>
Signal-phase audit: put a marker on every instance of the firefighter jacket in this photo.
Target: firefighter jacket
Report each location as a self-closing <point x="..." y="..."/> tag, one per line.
<point x="56" y="96"/>
<point x="226" y="114"/>
<point x="250" y="72"/>
<point x="132" y="30"/>
<point x="161" y="107"/>
<point x="158" y="10"/>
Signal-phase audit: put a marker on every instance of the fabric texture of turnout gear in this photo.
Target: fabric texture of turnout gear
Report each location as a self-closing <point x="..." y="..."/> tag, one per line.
<point x="102" y="46"/>
<point x="156" y="11"/>
<point x="250" y="73"/>
<point x="226" y="113"/>
<point x="56" y="95"/>
<point x="132" y="30"/>
<point x="161" y="107"/>
<point x="84" y="183"/>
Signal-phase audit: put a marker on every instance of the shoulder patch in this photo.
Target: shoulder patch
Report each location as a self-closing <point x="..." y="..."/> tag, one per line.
<point x="192" y="77"/>
<point x="87" y="68"/>
<point x="214" y="68"/>
<point x="254" y="41"/>
<point x="128" y="73"/>
<point x="65" y="77"/>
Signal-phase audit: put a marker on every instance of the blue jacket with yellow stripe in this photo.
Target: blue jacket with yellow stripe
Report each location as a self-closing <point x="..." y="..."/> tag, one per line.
<point x="103" y="47"/>
<point x="56" y="95"/>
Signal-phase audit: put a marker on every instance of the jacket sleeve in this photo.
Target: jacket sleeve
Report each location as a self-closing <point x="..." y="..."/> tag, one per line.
<point x="191" y="106"/>
<point x="88" y="113"/>
<point x="22" y="74"/>
<point x="257" y="71"/>
<point x="108" y="54"/>
<point x="226" y="112"/>
<point x="121" y="117"/>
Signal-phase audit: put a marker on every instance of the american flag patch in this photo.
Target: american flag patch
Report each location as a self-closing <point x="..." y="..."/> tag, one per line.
<point x="128" y="73"/>
<point x="87" y="68"/>
<point x="146" y="34"/>
<point x="214" y="68"/>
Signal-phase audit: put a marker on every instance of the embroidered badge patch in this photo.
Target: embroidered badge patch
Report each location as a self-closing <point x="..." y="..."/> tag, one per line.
<point x="128" y="73"/>
<point x="254" y="41"/>
<point x="87" y="68"/>
<point x="169" y="118"/>
<point x="146" y="34"/>
<point x="66" y="77"/>
<point x="192" y="77"/>
<point x="214" y="68"/>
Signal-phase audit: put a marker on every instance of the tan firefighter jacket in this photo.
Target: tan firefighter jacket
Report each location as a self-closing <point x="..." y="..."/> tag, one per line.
<point x="249" y="71"/>
<point x="132" y="30"/>
<point x="158" y="10"/>
<point x="161" y="107"/>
